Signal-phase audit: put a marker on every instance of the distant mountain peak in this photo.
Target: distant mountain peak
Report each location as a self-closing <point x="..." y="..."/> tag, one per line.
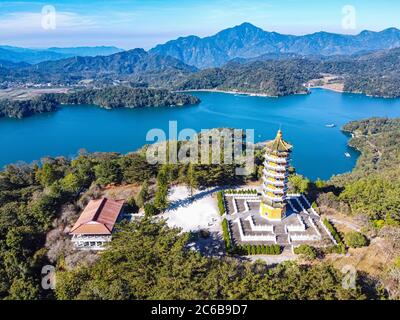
<point x="37" y="55"/>
<point x="247" y="41"/>
<point x="392" y="29"/>
<point x="247" y="25"/>
<point x="244" y="27"/>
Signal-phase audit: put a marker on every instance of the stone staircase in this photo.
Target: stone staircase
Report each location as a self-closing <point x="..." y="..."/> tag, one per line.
<point x="282" y="239"/>
<point x="281" y="236"/>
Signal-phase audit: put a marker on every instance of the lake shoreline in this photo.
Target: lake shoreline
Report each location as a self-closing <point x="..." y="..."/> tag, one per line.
<point x="242" y="93"/>
<point x="303" y="120"/>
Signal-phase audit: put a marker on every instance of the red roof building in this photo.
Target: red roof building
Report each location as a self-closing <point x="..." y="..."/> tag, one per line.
<point x="96" y="223"/>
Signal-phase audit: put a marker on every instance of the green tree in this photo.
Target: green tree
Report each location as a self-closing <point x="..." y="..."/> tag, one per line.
<point x="355" y="239"/>
<point x="131" y="205"/>
<point x="306" y="251"/>
<point x="299" y="183"/>
<point x="319" y="183"/>
<point x="161" y="196"/>
<point x="135" y="168"/>
<point x="150" y="210"/>
<point x="143" y="195"/>
<point x="83" y="168"/>
<point x="47" y="174"/>
<point x="71" y="183"/>
<point x="23" y="289"/>
<point x="107" y="172"/>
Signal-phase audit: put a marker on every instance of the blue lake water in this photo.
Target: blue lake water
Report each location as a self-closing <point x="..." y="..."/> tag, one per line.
<point x="318" y="150"/>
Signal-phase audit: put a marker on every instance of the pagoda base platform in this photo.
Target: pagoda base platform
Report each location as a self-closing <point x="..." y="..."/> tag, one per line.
<point x="270" y="213"/>
<point x="300" y="224"/>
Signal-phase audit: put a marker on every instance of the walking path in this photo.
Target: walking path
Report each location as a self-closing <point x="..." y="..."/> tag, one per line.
<point x="346" y="223"/>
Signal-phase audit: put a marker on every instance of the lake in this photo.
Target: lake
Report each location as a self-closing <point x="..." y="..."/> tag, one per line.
<point x="318" y="151"/>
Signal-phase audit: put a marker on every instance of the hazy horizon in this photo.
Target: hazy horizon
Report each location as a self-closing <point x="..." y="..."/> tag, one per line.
<point x="144" y="24"/>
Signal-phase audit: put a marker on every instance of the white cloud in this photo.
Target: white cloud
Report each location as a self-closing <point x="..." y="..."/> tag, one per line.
<point x="28" y="22"/>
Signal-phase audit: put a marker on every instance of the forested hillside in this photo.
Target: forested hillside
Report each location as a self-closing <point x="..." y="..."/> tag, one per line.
<point x="110" y="97"/>
<point x="375" y="74"/>
<point x="135" y="65"/>
<point x="39" y="203"/>
<point x="373" y="187"/>
<point x="147" y="260"/>
<point x="271" y="77"/>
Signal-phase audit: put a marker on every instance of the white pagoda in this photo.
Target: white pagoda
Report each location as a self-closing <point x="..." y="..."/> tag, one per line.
<point x="275" y="178"/>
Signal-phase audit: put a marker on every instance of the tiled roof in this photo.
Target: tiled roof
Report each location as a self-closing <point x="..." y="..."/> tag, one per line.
<point x="278" y="144"/>
<point x="98" y="217"/>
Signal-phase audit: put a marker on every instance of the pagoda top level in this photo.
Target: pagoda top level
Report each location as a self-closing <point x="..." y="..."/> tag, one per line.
<point x="278" y="145"/>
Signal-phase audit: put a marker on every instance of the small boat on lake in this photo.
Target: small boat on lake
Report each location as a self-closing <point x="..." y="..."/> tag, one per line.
<point x="330" y="125"/>
<point x="348" y="155"/>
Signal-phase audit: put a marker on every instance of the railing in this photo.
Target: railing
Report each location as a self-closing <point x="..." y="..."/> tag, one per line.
<point x="235" y="208"/>
<point x="293" y="195"/>
<point x="276" y="159"/>
<point x="246" y="206"/>
<point x="274" y="190"/>
<point x="301" y="206"/>
<point x="274" y="174"/>
<point x="261" y="227"/>
<point x="309" y="205"/>
<point x="279" y="183"/>
<point x="271" y="166"/>
<point x="242" y="196"/>
<point x="314" y="226"/>
<point x="89" y="238"/>
<point x="303" y="237"/>
<point x="328" y="233"/>
<point x="247" y="238"/>
<point x="273" y="198"/>
<point x="296" y="227"/>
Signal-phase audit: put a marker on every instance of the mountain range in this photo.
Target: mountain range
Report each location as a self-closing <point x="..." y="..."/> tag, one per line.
<point x="135" y="65"/>
<point x="248" y="41"/>
<point x="374" y="74"/>
<point x="32" y="56"/>
<point x="248" y="59"/>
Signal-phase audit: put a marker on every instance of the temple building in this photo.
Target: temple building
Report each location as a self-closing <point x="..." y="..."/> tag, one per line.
<point x="95" y="225"/>
<point x="275" y="178"/>
<point x="269" y="215"/>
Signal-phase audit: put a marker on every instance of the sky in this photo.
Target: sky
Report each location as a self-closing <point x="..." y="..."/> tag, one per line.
<point x="145" y="23"/>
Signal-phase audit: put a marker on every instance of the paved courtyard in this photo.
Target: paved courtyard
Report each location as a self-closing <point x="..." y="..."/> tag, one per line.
<point x="197" y="213"/>
<point x="302" y="225"/>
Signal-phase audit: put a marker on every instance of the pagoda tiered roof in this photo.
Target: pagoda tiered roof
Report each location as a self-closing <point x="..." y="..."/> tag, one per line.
<point x="279" y="145"/>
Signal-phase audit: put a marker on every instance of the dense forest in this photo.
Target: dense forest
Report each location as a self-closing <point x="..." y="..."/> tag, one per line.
<point x="109" y="97"/>
<point x="271" y="77"/>
<point x="134" y="65"/>
<point x="120" y="96"/>
<point x="39" y="202"/>
<point x="148" y="260"/>
<point x="374" y="74"/>
<point x="373" y="187"/>
<point x="26" y="108"/>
